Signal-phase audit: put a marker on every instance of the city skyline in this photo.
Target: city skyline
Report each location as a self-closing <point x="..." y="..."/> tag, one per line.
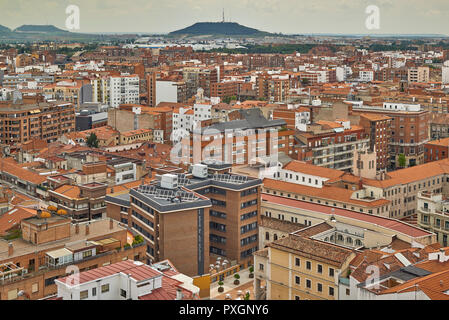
<point x="284" y="16"/>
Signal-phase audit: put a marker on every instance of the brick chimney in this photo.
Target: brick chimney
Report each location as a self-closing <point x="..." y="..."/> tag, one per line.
<point x="87" y="229"/>
<point x="111" y="224"/>
<point x="77" y="228"/>
<point x="10" y="249"/>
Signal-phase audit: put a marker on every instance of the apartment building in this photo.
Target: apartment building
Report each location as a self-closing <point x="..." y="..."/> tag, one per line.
<point x="418" y="74"/>
<point x="295" y="118"/>
<point x="129" y="280"/>
<point x="221" y="218"/>
<point x="82" y="203"/>
<point x="436" y="150"/>
<point x="20" y="122"/>
<point x="170" y="91"/>
<point x="412" y="273"/>
<point x="225" y="89"/>
<point x="273" y="88"/>
<point x="240" y="141"/>
<point x="75" y="92"/>
<point x="302" y="268"/>
<point x="331" y="144"/>
<point x="49" y="245"/>
<point x="174" y="229"/>
<point x="123" y="89"/>
<point x="433" y="214"/>
<point x="439" y="125"/>
<point x="183" y="123"/>
<point x="129" y="117"/>
<point x="378" y="127"/>
<point x="100" y="90"/>
<point x="409" y="130"/>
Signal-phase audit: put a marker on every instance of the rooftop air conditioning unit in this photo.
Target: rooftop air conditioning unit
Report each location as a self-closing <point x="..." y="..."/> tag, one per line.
<point x="169" y="181"/>
<point x="199" y="171"/>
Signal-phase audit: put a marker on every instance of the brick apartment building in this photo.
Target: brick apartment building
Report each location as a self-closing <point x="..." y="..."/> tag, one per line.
<point x="409" y="130"/>
<point x="216" y="216"/>
<point x="224" y="89"/>
<point x="83" y="202"/>
<point x="330" y="144"/>
<point x="378" y="128"/>
<point x="436" y="150"/>
<point x="48" y="246"/>
<point x="22" y="122"/>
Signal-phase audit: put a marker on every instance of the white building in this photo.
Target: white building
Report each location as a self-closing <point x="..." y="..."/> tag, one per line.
<point x="128" y="280"/>
<point x="366" y="75"/>
<point x="202" y="111"/>
<point x="445" y="72"/>
<point x="166" y="91"/>
<point x="123" y="89"/>
<point x="182" y="123"/>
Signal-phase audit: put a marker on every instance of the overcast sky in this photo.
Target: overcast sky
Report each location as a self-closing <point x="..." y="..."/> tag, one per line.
<point x="286" y="16"/>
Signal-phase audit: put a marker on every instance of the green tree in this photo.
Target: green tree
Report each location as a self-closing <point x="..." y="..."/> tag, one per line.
<point x="402" y="160"/>
<point x="305" y="81"/>
<point x="92" y="141"/>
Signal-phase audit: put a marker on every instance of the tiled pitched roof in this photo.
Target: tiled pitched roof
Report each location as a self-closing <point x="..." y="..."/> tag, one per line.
<point x="326" y="192"/>
<point x="299" y="166"/>
<point x="392" y="224"/>
<point x="281" y="225"/>
<point x="313" y="249"/>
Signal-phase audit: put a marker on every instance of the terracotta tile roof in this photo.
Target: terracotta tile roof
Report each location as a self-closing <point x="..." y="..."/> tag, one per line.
<point x="392" y="224"/>
<point x="13" y="218"/>
<point x="412" y="174"/>
<point x="10" y="166"/>
<point x="299" y="166"/>
<point x="281" y="225"/>
<point x="434" y="284"/>
<point x="440" y="142"/>
<point x="68" y="191"/>
<point x="374" y="116"/>
<point x="139" y="272"/>
<point x="314" y="230"/>
<point x="326" y="192"/>
<point x="314" y="249"/>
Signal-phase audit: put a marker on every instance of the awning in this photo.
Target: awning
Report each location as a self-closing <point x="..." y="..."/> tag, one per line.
<point x="59" y="253"/>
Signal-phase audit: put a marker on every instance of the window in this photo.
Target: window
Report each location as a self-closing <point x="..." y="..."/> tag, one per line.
<point x="105" y="288"/>
<point x="297" y="280"/>
<point x="123" y="293"/>
<point x="308" y="284"/>
<point x="297" y="262"/>
<point x="308" y="265"/>
<point x="84" y="294"/>
<point x="12" y="294"/>
<point x="331" y="291"/>
<point x="319" y="287"/>
<point x="320" y="268"/>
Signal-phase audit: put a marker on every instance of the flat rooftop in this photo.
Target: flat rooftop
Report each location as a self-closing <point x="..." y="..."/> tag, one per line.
<point x="97" y="228"/>
<point x="165" y="200"/>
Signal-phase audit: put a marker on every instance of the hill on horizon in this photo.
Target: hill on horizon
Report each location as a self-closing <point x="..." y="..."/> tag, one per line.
<point x="4" y="29"/>
<point x="38" y="29"/>
<point x="218" y="28"/>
